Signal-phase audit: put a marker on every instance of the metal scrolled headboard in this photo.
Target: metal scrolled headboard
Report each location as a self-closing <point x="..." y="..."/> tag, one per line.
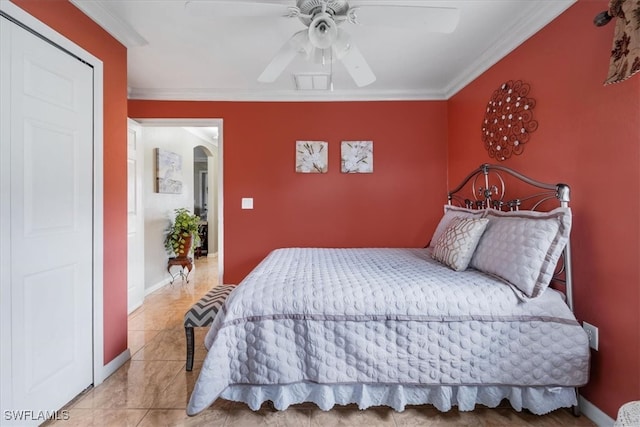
<point x="488" y="190"/>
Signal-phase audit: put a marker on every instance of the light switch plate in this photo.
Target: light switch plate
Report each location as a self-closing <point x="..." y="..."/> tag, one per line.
<point x="592" y="333"/>
<point x="247" y="203"/>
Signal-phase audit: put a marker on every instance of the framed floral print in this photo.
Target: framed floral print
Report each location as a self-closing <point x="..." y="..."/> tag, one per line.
<point x="312" y="157"/>
<point x="357" y="156"/>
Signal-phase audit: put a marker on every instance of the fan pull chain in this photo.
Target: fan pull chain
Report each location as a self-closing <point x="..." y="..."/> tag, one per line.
<point x="331" y="71"/>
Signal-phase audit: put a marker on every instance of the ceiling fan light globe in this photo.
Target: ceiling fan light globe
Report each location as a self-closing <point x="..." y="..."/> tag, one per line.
<point x="323" y="31"/>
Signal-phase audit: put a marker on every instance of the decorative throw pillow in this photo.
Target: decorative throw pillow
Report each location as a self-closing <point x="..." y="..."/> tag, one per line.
<point x="523" y="247"/>
<point x="456" y="245"/>
<point x="451" y="212"/>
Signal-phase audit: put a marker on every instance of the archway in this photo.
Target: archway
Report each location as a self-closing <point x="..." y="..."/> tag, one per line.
<point x="205" y="196"/>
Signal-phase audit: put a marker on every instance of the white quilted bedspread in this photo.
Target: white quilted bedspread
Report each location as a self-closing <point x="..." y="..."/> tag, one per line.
<point x="385" y="316"/>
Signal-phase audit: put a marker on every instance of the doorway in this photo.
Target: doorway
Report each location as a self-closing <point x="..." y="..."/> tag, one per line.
<point x="170" y="134"/>
<point x="205" y="197"/>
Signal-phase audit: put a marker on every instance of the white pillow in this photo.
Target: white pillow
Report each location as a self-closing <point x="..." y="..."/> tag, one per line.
<point x="451" y="212"/>
<point x="523" y="247"/>
<point x="456" y="245"/>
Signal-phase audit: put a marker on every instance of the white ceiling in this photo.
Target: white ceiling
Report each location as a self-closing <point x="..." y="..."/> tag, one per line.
<point x="174" y="54"/>
<point x="208" y="134"/>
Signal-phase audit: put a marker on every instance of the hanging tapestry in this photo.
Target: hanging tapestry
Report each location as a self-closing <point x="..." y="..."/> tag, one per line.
<point x="625" y="53"/>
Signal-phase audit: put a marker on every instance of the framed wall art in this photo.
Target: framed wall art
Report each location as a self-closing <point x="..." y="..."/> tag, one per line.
<point x="312" y="156"/>
<point x="168" y="172"/>
<point x="357" y="156"/>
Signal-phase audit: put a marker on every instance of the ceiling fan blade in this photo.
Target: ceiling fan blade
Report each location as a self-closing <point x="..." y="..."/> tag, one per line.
<point x="298" y="43"/>
<point x="434" y="19"/>
<point x="357" y="66"/>
<point x="230" y="8"/>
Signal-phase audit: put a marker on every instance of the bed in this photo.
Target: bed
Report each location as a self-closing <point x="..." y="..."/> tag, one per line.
<point x="470" y="319"/>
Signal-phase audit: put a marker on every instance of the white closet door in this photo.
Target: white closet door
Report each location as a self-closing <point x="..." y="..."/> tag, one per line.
<point x="47" y="178"/>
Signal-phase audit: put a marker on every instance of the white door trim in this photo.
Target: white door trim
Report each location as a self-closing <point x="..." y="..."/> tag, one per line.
<point x="18" y="14"/>
<point x="203" y="177"/>
<point x="135" y="253"/>
<point x="211" y="122"/>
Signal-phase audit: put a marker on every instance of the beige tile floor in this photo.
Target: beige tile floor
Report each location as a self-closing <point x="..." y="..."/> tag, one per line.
<point x="153" y="388"/>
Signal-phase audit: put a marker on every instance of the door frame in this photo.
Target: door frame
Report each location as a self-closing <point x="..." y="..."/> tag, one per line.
<point x="203" y="179"/>
<point x="209" y="122"/>
<point x="15" y="13"/>
<point x="134" y="126"/>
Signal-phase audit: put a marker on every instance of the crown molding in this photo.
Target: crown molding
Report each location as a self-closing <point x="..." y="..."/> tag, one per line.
<point x="536" y="17"/>
<point x="284" y="95"/>
<point x="114" y="25"/>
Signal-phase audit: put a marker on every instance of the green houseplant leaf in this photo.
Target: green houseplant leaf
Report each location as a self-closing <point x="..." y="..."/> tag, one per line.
<point x="184" y="224"/>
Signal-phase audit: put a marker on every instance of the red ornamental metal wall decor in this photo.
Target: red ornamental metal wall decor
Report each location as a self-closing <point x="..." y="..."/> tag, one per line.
<point x="508" y="120"/>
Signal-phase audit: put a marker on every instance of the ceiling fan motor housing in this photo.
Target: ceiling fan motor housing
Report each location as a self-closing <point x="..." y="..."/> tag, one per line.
<point x="309" y="8"/>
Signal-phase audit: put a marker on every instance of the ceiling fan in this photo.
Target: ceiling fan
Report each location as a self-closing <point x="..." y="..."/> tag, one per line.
<point x="323" y="39"/>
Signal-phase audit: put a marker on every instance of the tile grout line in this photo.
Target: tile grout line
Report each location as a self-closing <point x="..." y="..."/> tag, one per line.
<point x="143" y="417"/>
<point x="164" y="306"/>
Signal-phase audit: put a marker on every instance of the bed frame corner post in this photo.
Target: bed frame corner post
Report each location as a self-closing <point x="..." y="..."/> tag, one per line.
<point x="568" y="275"/>
<point x="563" y="193"/>
<point x="575" y="409"/>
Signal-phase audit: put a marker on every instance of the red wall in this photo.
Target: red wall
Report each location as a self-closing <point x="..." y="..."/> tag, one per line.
<point x="397" y="205"/>
<point x="589" y="137"/>
<point x="66" y="19"/>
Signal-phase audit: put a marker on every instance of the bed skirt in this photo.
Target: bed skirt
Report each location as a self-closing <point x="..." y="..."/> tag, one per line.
<point x="538" y="400"/>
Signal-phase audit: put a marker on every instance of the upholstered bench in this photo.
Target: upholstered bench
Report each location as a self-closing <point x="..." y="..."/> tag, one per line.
<point x="202" y="314"/>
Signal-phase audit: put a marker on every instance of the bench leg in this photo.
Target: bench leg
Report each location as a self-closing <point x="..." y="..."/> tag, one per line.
<point x="190" y="350"/>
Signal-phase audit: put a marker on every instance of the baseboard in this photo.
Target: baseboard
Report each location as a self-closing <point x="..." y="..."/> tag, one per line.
<point x="161" y="284"/>
<point x="594" y="413"/>
<point x="111" y="367"/>
<point x="132" y="309"/>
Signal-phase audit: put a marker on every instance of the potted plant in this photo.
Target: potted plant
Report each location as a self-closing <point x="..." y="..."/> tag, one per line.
<point x="182" y="232"/>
